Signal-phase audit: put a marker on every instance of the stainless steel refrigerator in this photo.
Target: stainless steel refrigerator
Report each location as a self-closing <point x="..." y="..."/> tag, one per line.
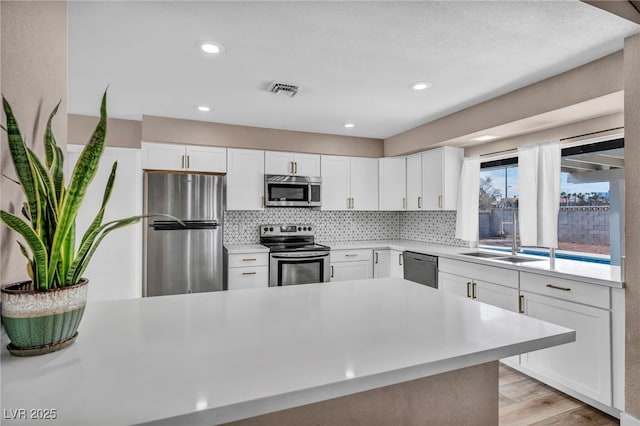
<point x="183" y="258"/>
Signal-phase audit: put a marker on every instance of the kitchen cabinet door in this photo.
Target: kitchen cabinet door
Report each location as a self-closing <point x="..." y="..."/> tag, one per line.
<point x="245" y="179"/>
<point x="248" y="277"/>
<point x="306" y="164"/>
<point x="454" y="284"/>
<point x="116" y="269"/>
<point x="381" y="263"/>
<point x="206" y="159"/>
<point x="392" y="185"/>
<point x="346" y="271"/>
<point x="432" y="182"/>
<point x="584" y="365"/>
<point x="496" y="295"/>
<point x="336" y="182"/>
<point x="163" y="156"/>
<point x="414" y="182"/>
<point x="278" y="163"/>
<point x="364" y="183"/>
<point x="396" y="266"/>
<point x="440" y="176"/>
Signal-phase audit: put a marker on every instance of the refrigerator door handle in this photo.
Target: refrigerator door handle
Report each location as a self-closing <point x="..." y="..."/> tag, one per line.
<point x="172" y="225"/>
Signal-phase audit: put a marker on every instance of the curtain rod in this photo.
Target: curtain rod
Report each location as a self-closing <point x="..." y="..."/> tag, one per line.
<point x="514" y="150"/>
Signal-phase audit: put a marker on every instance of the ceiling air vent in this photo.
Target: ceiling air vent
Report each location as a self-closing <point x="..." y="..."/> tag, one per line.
<point x="284" y="88"/>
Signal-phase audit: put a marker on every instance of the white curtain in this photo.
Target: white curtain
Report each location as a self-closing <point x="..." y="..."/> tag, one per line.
<point x="468" y="200"/>
<point x="539" y="194"/>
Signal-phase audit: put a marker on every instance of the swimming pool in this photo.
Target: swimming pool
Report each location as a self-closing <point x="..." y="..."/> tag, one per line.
<point x="581" y="257"/>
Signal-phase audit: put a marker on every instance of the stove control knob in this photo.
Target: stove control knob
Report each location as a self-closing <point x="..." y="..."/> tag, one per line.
<point x="271" y="229"/>
<point x="299" y="229"/>
<point x="304" y="229"/>
<point x="309" y="228"/>
<point x="266" y="229"/>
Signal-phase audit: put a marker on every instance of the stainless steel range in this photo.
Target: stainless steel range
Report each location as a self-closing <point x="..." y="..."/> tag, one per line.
<point x="295" y="258"/>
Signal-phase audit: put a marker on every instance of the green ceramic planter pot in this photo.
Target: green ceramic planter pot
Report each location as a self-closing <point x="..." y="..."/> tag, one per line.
<point x="39" y="322"/>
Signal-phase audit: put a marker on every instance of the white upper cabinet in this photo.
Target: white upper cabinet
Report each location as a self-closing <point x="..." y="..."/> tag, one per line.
<point x="392" y="183"/>
<point x="349" y="183"/>
<point x="414" y="182"/>
<point x="245" y="179"/>
<point x="364" y="183"/>
<point x="432" y="179"/>
<point x="160" y="156"/>
<point x="440" y="176"/>
<point x="289" y="163"/>
<point x="336" y="182"/>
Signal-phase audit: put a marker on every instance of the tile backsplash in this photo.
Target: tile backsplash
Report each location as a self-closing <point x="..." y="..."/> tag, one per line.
<point x="241" y="227"/>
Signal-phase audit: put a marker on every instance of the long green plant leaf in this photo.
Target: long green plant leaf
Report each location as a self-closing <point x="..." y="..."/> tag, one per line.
<point x="25" y="253"/>
<point x="57" y="174"/>
<point x="105" y="199"/>
<point x="82" y="176"/>
<point x="34" y="242"/>
<point x="92" y="242"/>
<point x="49" y="139"/>
<point x="21" y="162"/>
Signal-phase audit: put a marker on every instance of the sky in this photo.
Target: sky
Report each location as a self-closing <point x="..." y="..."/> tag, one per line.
<point x="511" y="179"/>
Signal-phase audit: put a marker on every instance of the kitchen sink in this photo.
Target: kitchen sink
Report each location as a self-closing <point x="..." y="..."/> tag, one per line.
<point x="483" y="254"/>
<point x="517" y="259"/>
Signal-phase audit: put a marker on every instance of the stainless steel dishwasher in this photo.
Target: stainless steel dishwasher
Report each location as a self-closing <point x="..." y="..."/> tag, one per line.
<point x="421" y="268"/>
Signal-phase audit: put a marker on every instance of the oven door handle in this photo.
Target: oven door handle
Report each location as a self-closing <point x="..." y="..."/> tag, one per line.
<point x="300" y="256"/>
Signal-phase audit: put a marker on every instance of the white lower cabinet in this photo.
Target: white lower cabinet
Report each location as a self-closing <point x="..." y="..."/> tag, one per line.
<point x="381" y="263"/>
<point x="396" y="267"/>
<point x="247" y="270"/>
<point x="349" y="265"/>
<point x="469" y="280"/>
<point x="583" y="366"/>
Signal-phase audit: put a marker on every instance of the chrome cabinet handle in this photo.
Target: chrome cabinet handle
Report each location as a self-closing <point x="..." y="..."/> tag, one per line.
<point x="262" y="202"/>
<point x="348" y="203"/>
<point x="295" y="168"/>
<point x="248" y="273"/>
<point x="473" y="291"/>
<point x="400" y="259"/>
<point x="353" y="203"/>
<point x="350" y="254"/>
<point x="468" y="288"/>
<point x="419" y="202"/>
<point x="248" y="260"/>
<point x="331" y="271"/>
<point x="558" y="288"/>
<point x="376" y="255"/>
<point x="439" y="201"/>
<point x="188" y="161"/>
<point x="521" y="304"/>
<point x="182" y="164"/>
<point x="404" y="203"/>
<point x="291" y="167"/>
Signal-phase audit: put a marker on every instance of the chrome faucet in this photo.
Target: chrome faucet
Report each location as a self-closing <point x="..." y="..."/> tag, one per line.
<point x="514" y="224"/>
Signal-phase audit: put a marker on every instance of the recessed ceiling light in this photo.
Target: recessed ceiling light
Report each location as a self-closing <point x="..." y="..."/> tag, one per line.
<point x="210" y="47"/>
<point x="349" y="125"/>
<point x="420" y="85"/>
<point x="484" y="138"/>
<point x="204" y="108"/>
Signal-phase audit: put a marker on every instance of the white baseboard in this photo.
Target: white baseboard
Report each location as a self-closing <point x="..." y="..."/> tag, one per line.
<point x="628" y="420"/>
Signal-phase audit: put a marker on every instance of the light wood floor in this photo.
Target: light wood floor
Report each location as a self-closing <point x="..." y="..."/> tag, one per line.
<point x="525" y="401"/>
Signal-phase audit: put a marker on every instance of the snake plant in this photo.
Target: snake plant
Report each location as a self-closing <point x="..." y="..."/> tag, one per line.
<point x="50" y="209"/>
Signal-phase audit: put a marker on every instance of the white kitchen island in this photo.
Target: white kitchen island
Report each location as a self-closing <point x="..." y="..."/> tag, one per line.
<point x="219" y="357"/>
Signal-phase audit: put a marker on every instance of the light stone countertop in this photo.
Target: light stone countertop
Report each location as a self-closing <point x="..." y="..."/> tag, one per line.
<point x="245" y="248"/>
<point x="207" y="358"/>
<point x="592" y="273"/>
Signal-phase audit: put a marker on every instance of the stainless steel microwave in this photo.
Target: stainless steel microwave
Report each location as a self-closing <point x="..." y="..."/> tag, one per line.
<point x="292" y="191"/>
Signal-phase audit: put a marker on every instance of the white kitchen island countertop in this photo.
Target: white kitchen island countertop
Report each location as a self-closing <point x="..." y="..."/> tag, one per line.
<point x="592" y="273"/>
<point x="214" y="357"/>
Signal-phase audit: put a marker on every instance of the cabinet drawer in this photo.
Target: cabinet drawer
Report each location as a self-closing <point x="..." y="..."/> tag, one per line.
<point x="254" y="277"/>
<point x="491" y="274"/>
<point x="560" y="288"/>
<point x="248" y="259"/>
<point x="351" y="255"/>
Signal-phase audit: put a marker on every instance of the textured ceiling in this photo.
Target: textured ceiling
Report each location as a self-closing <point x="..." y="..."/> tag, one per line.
<point x="354" y="61"/>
